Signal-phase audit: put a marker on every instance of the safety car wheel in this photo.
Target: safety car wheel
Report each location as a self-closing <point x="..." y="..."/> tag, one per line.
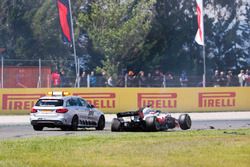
<point x="37" y="127"/>
<point x="152" y="124"/>
<point x="116" y="125"/>
<point x="101" y="123"/>
<point x="185" y="121"/>
<point x="74" y="123"/>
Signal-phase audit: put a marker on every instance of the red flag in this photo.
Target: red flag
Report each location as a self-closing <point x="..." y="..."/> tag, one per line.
<point x="65" y="22"/>
<point x="199" y="38"/>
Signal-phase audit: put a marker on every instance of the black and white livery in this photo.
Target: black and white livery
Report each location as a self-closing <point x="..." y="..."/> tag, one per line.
<point x="58" y="109"/>
<point x="148" y="119"/>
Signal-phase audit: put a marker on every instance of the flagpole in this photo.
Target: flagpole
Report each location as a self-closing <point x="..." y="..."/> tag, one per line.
<point x="199" y="37"/>
<point x="204" y="66"/>
<point x="73" y="39"/>
<point x="203" y="51"/>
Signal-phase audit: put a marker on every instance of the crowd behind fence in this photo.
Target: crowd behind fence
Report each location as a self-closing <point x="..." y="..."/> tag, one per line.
<point x="46" y="76"/>
<point x="219" y="79"/>
<point x="53" y="79"/>
<point x="32" y="80"/>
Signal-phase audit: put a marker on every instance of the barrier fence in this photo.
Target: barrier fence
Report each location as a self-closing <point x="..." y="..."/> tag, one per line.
<point x="48" y="73"/>
<point x="112" y="100"/>
<point x="17" y="73"/>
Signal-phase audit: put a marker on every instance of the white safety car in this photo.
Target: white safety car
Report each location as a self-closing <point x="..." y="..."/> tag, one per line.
<point x="59" y="109"/>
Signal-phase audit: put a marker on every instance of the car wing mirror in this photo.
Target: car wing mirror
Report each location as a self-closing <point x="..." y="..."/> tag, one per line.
<point x="91" y="106"/>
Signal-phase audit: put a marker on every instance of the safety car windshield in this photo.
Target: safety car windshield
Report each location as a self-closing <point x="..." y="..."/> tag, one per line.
<point x="49" y="102"/>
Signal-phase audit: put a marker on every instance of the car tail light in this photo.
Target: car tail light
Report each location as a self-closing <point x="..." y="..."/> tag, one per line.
<point x="33" y="110"/>
<point x="62" y="110"/>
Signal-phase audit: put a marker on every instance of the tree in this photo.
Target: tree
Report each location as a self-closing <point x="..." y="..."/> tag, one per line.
<point x="227" y="37"/>
<point x="171" y="39"/>
<point x="129" y="34"/>
<point x="118" y="30"/>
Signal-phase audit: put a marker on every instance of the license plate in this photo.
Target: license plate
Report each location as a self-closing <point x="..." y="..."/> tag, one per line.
<point x="46" y="110"/>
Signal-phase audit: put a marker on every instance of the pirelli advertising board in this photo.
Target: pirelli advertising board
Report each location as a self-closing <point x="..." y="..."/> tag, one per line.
<point x="111" y="100"/>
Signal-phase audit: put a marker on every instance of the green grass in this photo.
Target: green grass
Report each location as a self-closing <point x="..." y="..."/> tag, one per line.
<point x="207" y="148"/>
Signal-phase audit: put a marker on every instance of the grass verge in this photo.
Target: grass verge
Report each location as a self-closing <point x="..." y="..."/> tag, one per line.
<point x="208" y="148"/>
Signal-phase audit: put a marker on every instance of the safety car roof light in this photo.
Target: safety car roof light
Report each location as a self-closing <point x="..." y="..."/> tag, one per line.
<point x="58" y="93"/>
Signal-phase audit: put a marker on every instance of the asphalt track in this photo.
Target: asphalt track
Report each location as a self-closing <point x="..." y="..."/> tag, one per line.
<point x="15" y="127"/>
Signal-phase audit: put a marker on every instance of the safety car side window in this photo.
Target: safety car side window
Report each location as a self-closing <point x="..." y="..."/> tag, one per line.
<point x="83" y="102"/>
<point x="68" y="103"/>
<point x="71" y="102"/>
<point x="78" y="102"/>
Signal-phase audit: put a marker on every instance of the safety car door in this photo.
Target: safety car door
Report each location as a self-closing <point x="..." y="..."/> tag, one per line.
<point x="83" y="111"/>
<point x="91" y="113"/>
<point x="72" y="107"/>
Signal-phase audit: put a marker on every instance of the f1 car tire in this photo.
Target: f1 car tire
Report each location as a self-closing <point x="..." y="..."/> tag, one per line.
<point x="37" y="127"/>
<point x="116" y="125"/>
<point x="74" y="123"/>
<point x="152" y="124"/>
<point x="101" y="123"/>
<point x="185" y="121"/>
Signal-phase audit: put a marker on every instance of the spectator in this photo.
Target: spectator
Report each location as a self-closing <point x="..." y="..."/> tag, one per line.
<point x="55" y="77"/>
<point x="110" y="82"/>
<point x="131" y="79"/>
<point x="149" y="80"/>
<point x="184" y="79"/>
<point x="200" y="84"/>
<point x="241" y="77"/>
<point x="231" y="79"/>
<point x="223" y="79"/>
<point x="102" y="80"/>
<point x="216" y="79"/>
<point x="247" y="78"/>
<point x="92" y="79"/>
<point x="157" y="79"/>
<point x="63" y="79"/>
<point x="120" y="82"/>
<point x="142" y="79"/>
<point x="169" y="79"/>
<point x="83" y="79"/>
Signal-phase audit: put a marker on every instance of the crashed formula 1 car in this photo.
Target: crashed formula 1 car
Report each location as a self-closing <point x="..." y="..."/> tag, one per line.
<point x="147" y="119"/>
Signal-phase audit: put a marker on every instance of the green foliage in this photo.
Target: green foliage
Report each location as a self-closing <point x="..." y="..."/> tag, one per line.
<point x="129" y="34"/>
<point x="31" y="31"/>
<point x="118" y="30"/>
<point x="45" y="26"/>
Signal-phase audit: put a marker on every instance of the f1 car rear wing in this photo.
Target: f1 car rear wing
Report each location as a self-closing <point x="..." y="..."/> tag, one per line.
<point x="127" y="114"/>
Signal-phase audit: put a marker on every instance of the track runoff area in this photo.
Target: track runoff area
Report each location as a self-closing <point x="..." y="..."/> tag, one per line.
<point x="14" y="126"/>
